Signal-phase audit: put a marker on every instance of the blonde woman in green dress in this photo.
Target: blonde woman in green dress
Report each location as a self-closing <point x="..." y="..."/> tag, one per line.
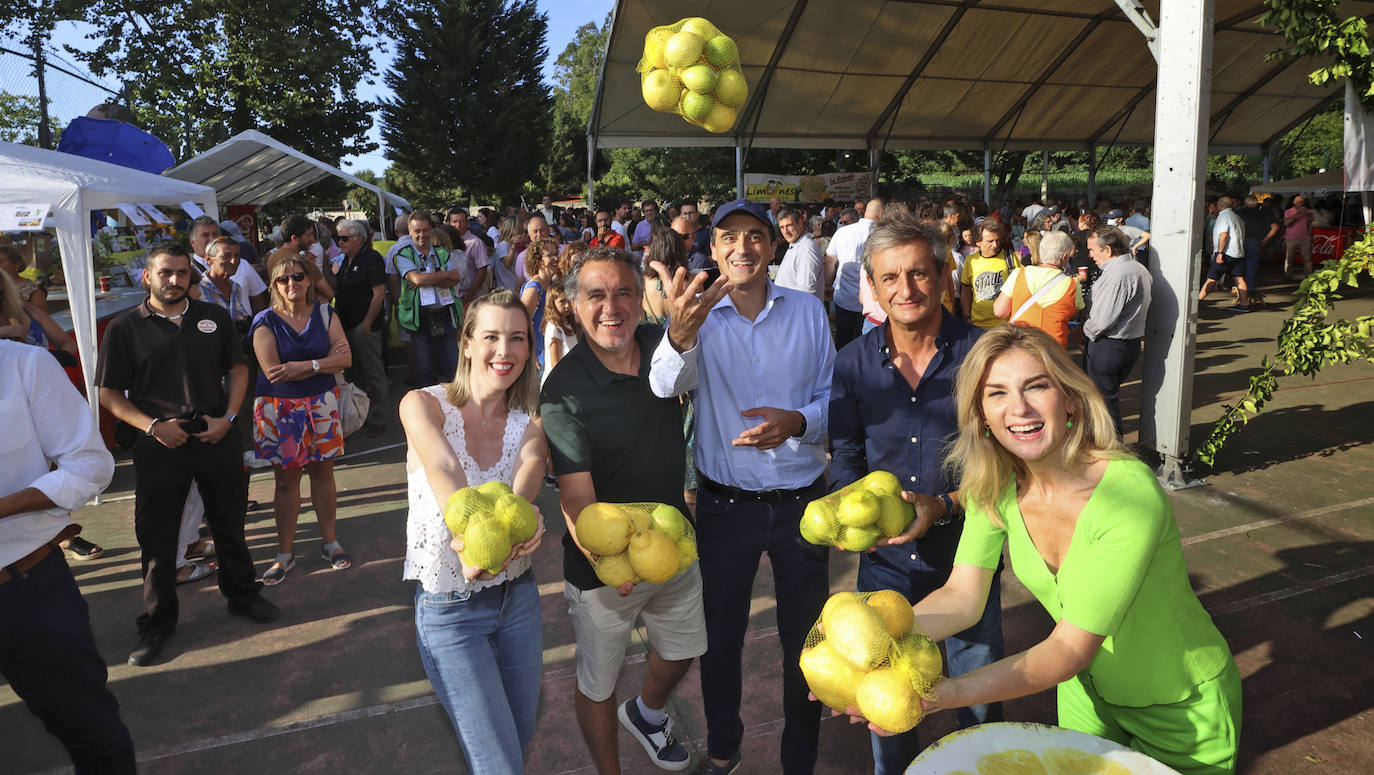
<point x="1091" y="534"/>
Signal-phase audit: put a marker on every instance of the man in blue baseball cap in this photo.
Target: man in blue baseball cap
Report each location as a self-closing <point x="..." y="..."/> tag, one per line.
<point x="759" y="357"/>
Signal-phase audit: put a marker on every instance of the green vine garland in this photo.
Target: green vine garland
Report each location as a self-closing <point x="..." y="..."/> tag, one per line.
<point x="1307" y="342"/>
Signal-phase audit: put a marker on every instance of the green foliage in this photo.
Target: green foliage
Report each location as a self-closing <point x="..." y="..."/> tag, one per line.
<point x="470" y="110"/>
<point x="576" y="70"/>
<point x="1307" y="342"/>
<point x="1313" y="28"/>
<point x="665" y="174"/>
<point x="19" y="119"/>
<point x="199" y="71"/>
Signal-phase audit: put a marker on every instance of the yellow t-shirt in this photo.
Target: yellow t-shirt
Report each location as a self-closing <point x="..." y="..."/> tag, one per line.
<point x="985" y="276"/>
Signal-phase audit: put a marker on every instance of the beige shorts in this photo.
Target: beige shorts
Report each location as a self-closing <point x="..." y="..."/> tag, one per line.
<point x="603" y="622"/>
<point x="1294" y="247"/>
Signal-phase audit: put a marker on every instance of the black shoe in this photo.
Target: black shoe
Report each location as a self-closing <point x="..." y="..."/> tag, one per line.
<point x="256" y="609"/>
<point x="149" y="648"/>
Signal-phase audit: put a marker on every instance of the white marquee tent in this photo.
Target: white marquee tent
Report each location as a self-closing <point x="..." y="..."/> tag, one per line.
<point x="251" y="168"/>
<point x="73" y="186"/>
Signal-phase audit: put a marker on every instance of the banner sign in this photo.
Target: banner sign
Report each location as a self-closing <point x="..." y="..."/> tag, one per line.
<point x="847" y="187"/>
<point x="23" y="217"/>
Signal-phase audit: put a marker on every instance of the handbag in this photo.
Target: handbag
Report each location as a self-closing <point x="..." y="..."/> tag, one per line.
<point x="354" y="402"/>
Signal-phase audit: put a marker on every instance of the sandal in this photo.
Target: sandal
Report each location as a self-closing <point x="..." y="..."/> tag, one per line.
<point x="207" y="549"/>
<point x="199" y="570"/>
<point x="79" y="548"/>
<point x="277" y="573"/>
<point x="338" y="560"/>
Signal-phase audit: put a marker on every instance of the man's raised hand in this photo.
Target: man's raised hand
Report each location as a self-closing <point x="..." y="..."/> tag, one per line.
<point x="689" y="303"/>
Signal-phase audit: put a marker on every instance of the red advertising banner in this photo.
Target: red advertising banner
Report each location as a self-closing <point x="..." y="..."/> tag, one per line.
<point x="246" y="216"/>
<point x="1329" y="243"/>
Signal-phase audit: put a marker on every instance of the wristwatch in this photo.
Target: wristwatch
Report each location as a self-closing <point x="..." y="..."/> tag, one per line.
<point x="949" y="510"/>
<point x="231" y="418"/>
<point x="314" y="366"/>
<point x="802" y="430"/>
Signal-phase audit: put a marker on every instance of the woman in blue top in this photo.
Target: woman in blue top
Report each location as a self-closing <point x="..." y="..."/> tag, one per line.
<point x="300" y="345"/>
<point x="541" y="265"/>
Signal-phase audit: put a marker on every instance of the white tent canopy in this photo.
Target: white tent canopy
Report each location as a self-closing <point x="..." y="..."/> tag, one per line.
<point x="1330" y="181"/>
<point x="251" y="168"/>
<point x="74" y="186"/>
<point x="950" y="74"/>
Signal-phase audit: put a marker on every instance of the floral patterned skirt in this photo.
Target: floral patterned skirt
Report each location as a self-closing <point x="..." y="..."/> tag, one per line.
<point x="292" y="432"/>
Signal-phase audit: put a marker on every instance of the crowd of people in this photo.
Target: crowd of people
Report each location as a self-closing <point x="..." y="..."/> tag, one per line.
<point x="736" y="369"/>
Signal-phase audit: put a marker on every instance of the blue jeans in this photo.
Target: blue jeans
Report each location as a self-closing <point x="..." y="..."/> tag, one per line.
<point x="731" y="537"/>
<point x="1253" y="250"/>
<point x="484" y="653"/>
<point x="436" y="355"/>
<point x="971" y="649"/>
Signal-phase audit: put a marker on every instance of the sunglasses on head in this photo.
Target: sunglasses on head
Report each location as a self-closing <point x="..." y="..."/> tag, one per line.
<point x="294" y="277"/>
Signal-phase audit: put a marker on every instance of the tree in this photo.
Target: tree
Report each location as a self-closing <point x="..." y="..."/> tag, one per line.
<point x="470" y="109"/>
<point x="199" y="71"/>
<point x="19" y="119"/>
<point x="576" y="71"/>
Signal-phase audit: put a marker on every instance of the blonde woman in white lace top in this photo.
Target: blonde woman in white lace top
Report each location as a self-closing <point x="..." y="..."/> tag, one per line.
<point x="480" y="636"/>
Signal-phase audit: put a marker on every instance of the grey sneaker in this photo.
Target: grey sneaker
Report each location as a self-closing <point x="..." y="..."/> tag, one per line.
<point x="665" y="752"/>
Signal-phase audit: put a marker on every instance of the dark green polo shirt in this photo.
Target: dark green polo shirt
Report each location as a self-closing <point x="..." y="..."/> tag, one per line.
<point x="614" y="427"/>
<point x="170" y="370"/>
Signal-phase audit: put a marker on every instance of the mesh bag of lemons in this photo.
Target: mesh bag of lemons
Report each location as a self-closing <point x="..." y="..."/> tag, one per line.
<point x="491" y="520"/>
<point x="866" y="652"/>
<point x="636" y="542"/>
<point x="855" y="516"/>
<point x="692" y="69"/>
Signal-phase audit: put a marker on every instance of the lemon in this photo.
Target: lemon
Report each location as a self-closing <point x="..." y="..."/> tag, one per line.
<point x="1071" y="761"/>
<point x="699" y="27"/>
<point x="615" y="570"/>
<point x="669" y="521"/>
<point x="683" y="49"/>
<point x="858" y="508"/>
<point x="731" y="88"/>
<point x="660" y="90"/>
<point x="719" y="119"/>
<point x="831" y="678"/>
<point x="518" y="516"/>
<point x="894" y="514"/>
<point x="894" y="610"/>
<point x="486" y="544"/>
<point x="603" y="528"/>
<point x="721" y="51"/>
<point x="858" y="539"/>
<point x="460" y="507"/>
<point x="696" y="107"/>
<point x="818" y="523"/>
<point x="887" y="699"/>
<point x="699" y="78"/>
<point x="1014" y="762"/>
<point x="882" y="483"/>
<point x="918" y="658"/>
<point x="654" y="44"/>
<point x="653" y="557"/>
<point x="686" y="553"/>
<point x="857" y="633"/>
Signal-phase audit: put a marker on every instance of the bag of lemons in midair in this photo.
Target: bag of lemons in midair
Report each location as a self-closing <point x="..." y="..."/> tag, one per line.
<point x="692" y="69"/>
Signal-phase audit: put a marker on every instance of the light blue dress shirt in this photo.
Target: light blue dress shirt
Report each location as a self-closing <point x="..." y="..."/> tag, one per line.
<point x="783" y="359"/>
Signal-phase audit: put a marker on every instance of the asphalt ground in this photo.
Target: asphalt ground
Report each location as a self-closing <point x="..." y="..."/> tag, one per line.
<point x="1280" y="546"/>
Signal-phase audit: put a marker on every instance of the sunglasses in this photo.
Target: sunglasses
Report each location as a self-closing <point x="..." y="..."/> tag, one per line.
<point x="294" y="277"/>
<point x="343" y="238"/>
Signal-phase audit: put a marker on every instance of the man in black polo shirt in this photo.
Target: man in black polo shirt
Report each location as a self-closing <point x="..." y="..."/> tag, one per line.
<point x="613" y="441"/>
<point x="174" y="356"/>
<point x="359" y="292"/>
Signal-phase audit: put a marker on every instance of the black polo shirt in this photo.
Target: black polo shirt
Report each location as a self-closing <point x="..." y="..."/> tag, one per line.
<point x="170" y="370"/>
<point x="354" y="283"/>
<point x="614" y="427"/>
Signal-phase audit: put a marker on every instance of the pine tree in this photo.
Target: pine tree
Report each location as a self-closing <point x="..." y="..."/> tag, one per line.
<point x="470" y="109"/>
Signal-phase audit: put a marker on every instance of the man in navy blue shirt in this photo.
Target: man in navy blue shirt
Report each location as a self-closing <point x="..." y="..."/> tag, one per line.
<point x="892" y="408"/>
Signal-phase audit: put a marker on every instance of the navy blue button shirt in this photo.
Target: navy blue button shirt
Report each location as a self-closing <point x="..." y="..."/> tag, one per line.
<point x="878" y="423"/>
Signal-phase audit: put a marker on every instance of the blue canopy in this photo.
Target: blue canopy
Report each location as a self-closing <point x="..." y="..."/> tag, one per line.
<point x="116" y="142"/>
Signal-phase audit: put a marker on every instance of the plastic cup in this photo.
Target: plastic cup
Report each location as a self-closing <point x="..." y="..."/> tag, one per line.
<point x="104" y="284"/>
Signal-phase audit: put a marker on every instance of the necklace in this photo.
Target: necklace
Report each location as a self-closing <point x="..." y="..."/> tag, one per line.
<point x="176" y="316"/>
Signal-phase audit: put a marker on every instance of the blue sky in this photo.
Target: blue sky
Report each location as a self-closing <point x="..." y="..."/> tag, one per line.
<point x="565" y="16"/>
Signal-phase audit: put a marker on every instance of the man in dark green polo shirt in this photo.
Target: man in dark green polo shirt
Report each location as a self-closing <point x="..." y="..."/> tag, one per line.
<point x="612" y="440"/>
<point x="173" y="356"/>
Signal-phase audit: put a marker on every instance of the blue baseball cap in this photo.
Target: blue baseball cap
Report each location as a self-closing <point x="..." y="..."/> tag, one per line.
<point x="756" y="209"/>
<point x="1113" y="215"/>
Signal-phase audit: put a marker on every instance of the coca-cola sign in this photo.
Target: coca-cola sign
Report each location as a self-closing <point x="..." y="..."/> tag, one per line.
<point x="1326" y="246"/>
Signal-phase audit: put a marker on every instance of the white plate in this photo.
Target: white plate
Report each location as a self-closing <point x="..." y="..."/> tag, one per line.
<point x="960" y="751"/>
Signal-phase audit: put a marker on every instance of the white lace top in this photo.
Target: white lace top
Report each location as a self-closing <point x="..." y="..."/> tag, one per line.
<point x="429" y="557"/>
